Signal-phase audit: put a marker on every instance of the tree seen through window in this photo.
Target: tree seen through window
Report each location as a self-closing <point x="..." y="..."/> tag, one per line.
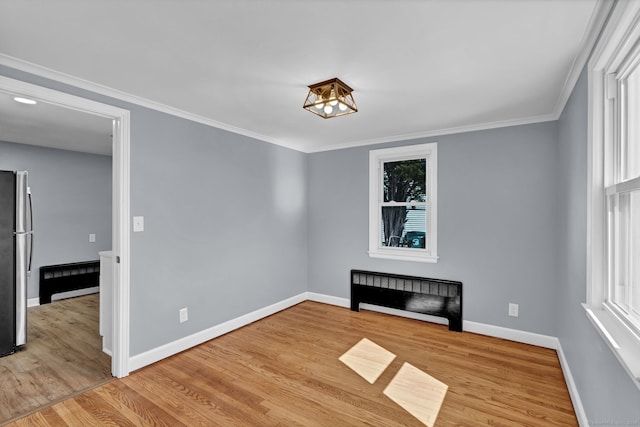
<point x="404" y="203"/>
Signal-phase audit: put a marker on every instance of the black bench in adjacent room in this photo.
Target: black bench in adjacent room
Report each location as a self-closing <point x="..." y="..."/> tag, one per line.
<point x="68" y="277"/>
<point x="441" y="298"/>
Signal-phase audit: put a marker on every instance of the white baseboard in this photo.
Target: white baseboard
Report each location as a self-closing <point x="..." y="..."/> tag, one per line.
<point x="475" y="327"/>
<point x="583" y="421"/>
<point x="33" y="302"/>
<point x="76" y="293"/>
<point x="148" y="357"/>
<point x="516" y="335"/>
<point x="328" y="299"/>
<point x="107" y="351"/>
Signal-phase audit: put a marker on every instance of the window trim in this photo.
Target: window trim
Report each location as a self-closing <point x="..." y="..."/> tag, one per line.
<point x="610" y="55"/>
<point x="376" y="157"/>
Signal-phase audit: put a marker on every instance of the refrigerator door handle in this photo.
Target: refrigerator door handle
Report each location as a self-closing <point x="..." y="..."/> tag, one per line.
<point x="30" y="254"/>
<point x="21" y="289"/>
<point x="32" y="238"/>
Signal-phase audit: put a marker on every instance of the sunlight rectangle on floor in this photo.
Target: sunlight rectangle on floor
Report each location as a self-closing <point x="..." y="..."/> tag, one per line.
<point x="367" y="359"/>
<point x="417" y="392"/>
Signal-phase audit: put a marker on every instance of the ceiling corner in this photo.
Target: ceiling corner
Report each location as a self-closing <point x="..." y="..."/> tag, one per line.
<point x="599" y="17"/>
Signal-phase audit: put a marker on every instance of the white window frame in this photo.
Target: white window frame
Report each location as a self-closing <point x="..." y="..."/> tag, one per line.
<point x="614" y="49"/>
<point x="376" y="159"/>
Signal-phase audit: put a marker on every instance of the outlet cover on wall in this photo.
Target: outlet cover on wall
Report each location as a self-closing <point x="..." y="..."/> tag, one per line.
<point x="513" y="310"/>
<point x="92" y="238"/>
<point x="184" y="315"/>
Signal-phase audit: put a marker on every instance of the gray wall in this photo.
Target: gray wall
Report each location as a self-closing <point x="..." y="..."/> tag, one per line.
<point x="497" y="223"/>
<point x="71" y="198"/>
<point x="225" y="222"/>
<point x="225" y="226"/>
<point x="607" y="392"/>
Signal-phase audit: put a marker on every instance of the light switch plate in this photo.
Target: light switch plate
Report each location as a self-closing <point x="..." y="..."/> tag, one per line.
<point x="138" y="224"/>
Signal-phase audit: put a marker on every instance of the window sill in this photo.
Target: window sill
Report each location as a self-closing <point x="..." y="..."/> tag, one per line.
<point x="621" y="340"/>
<point x="404" y="257"/>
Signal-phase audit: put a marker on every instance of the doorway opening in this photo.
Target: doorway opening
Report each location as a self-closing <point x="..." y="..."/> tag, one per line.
<point x="120" y="202"/>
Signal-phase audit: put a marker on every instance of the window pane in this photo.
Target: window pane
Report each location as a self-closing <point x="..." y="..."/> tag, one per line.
<point x="634" y="256"/>
<point x="626" y="246"/>
<point x="404" y="226"/>
<point x="631" y="144"/>
<point x="620" y="245"/>
<point x="405" y="181"/>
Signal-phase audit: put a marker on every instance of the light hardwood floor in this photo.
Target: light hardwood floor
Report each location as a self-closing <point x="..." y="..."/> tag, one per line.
<point x="63" y="357"/>
<point x="284" y="371"/>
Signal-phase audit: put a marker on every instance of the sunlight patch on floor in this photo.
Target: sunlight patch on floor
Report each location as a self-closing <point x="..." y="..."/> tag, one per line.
<point x="367" y="359"/>
<point x="417" y="392"/>
<point x="414" y="390"/>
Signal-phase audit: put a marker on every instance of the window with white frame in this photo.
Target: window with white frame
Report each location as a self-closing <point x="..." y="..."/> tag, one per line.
<point x="622" y="193"/>
<point x="613" y="294"/>
<point x="403" y="203"/>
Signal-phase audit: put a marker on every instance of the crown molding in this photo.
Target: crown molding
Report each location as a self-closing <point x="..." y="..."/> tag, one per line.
<point x="591" y="35"/>
<point x="57" y="76"/>
<point x="439" y="132"/>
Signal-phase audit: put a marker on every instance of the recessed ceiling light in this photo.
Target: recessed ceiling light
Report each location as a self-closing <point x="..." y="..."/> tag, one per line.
<point x="24" y="100"/>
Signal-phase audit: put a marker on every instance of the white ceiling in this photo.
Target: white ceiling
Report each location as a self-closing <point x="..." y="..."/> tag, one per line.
<point x="52" y="126"/>
<point x="417" y="67"/>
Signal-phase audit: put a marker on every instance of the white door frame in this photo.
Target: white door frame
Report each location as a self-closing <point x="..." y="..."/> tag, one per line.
<point x="120" y="206"/>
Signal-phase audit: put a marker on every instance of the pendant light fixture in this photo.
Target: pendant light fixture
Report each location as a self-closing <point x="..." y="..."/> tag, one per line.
<point x="331" y="98"/>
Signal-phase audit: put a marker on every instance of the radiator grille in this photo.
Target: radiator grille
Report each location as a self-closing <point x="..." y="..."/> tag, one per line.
<point x="422" y="286"/>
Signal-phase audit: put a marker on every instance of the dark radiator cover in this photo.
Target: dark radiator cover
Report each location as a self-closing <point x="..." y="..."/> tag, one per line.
<point x="67" y="277"/>
<point x="442" y="298"/>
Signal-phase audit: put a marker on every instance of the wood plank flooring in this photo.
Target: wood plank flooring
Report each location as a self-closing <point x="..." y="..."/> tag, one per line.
<point x="63" y="356"/>
<point x="284" y="371"/>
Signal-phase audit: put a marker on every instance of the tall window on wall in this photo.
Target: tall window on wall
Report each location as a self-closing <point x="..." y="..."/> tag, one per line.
<point x="622" y="193"/>
<point x="403" y="203"/>
<point x="613" y="289"/>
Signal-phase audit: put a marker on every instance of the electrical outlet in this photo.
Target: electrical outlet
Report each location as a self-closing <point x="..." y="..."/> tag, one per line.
<point x="513" y="310"/>
<point x="92" y="238"/>
<point x="184" y="315"/>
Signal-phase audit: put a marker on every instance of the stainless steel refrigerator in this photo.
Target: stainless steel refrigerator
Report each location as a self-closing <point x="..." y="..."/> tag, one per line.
<point x="16" y="248"/>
